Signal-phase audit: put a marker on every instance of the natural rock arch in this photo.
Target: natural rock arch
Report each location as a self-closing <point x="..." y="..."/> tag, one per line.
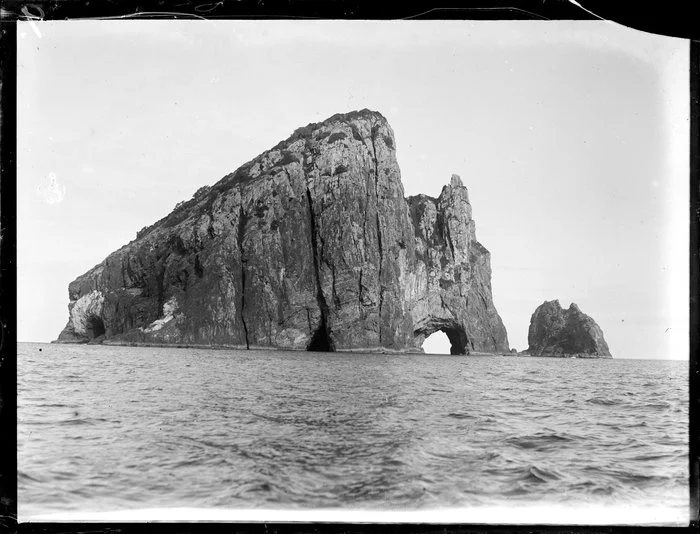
<point x="459" y="341"/>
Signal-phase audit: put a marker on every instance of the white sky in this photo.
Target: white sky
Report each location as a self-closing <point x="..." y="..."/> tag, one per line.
<point x="572" y="138"/>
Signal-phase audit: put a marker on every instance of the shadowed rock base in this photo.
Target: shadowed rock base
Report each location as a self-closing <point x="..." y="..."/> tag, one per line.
<point x="320" y="342"/>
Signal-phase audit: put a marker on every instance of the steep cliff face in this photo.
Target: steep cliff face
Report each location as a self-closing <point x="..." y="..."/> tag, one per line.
<point x="310" y="245"/>
<point x="451" y="279"/>
<point x="558" y="332"/>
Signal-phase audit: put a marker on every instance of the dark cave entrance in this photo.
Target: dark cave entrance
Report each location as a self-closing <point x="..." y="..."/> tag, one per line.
<point x="95" y="327"/>
<point x="455" y="337"/>
<point x="458" y="341"/>
<point x="320" y="341"/>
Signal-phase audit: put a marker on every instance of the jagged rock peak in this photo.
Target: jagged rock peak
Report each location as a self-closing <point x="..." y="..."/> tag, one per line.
<point x="351" y="117"/>
<point x="311" y="245"/>
<point x="561" y="333"/>
<point x="362" y="114"/>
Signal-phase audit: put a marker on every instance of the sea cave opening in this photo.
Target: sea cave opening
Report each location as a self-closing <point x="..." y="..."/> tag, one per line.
<point x="446" y="341"/>
<point x="320" y="341"/>
<point x="95" y="327"/>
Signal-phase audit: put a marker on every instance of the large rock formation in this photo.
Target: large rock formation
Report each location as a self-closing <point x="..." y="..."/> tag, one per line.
<point x="561" y="333"/>
<point x="310" y="245"/>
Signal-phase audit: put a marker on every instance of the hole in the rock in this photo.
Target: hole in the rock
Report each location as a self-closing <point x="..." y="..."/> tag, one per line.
<point x="447" y="341"/>
<point x="458" y="341"/>
<point x="95" y="327"/>
<point x="320" y="341"/>
<point x="437" y="343"/>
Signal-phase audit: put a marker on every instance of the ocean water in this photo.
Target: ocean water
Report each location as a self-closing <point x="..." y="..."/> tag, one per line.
<point x="118" y="430"/>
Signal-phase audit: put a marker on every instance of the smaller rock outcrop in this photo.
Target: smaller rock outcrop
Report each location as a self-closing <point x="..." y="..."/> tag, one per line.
<point x="556" y="332"/>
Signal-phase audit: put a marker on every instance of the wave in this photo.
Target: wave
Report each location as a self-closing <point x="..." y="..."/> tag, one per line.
<point x="187" y="463"/>
<point x="603" y="401"/>
<point x="661" y="404"/>
<point x="517" y="491"/>
<point x="461" y="415"/>
<point x="652" y="457"/>
<point x="538" y="474"/>
<point x="25" y="477"/>
<point x="82" y="421"/>
<point x="534" y="441"/>
<point x="491" y="455"/>
<point x="65" y="422"/>
<point x="637" y="424"/>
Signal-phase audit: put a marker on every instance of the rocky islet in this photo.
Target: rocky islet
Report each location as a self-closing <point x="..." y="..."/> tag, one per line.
<point x="311" y="245"/>
<point x="558" y="332"/>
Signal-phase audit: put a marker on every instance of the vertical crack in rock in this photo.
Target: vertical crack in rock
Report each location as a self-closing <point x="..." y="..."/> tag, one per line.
<point x="443" y="222"/>
<point x="375" y="129"/>
<point x="359" y="290"/>
<point x="483" y="300"/>
<point x="325" y="344"/>
<point x="336" y="299"/>
<point x="448" y="235"/>
<point x="322" y="304"/>
<point x="160" y="281"/>
<point x="364" y="240"/>
<point x="241" y="234"/>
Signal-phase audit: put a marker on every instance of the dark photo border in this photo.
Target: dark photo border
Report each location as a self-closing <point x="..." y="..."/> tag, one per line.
<point x="670" y="18"/>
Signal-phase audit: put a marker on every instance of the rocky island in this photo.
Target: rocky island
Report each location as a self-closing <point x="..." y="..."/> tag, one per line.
<point x="563" y="333"/>
<point x="311" y="245"/>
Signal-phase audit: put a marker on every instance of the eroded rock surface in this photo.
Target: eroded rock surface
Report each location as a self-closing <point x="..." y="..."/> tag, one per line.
<point x="310" y="245"/>
<point x="561" y="333"/>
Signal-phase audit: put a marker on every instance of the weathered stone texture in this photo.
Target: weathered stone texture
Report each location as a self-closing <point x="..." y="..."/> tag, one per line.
<point x="310" y="245"/>
<point x="560" y="333"/>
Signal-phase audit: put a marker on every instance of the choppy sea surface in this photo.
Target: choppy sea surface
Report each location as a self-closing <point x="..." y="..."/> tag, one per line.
<point x="153" y="431"/>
